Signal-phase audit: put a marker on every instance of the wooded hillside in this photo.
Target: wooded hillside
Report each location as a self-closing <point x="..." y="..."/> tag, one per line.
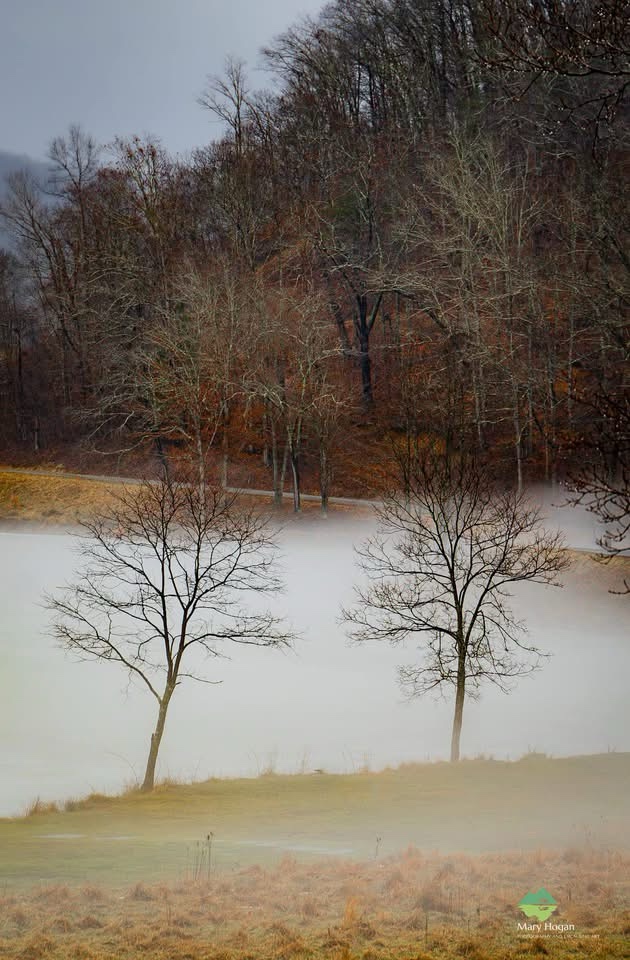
<point x="419" y="231"/>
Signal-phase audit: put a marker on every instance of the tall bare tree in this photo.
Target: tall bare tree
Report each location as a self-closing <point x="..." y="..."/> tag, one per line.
<point x="441" y="566"/>
<point x="290" y="373"/>
<point x="169" y="573"/>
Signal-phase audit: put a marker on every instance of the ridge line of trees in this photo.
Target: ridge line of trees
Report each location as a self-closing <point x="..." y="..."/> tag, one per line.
<point x="418" y="231"/>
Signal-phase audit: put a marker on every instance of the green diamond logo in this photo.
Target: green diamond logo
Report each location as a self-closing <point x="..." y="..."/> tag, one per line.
<point x="539" y="905"/>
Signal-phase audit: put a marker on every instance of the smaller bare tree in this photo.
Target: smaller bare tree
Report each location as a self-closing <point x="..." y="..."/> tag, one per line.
<point x="169" y="573"/>
<point x="602" y="483"/>
<point x="441" y="565"/>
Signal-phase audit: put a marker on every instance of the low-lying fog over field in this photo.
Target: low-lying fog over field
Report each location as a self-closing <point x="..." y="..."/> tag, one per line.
<point x="68" y="728"/>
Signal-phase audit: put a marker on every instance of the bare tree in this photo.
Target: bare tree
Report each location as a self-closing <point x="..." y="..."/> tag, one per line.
<point x="226" y="97"/>
<point x="190" y="368"/>
<point x="581" y="41"/>
<point x="293" y="353"/>
<point x="602" y="483"/>
<point x="441" y="565"/>
<point x="469" y="235"/>
<point x="353" y="243"/>
<point x="167" y="579"/>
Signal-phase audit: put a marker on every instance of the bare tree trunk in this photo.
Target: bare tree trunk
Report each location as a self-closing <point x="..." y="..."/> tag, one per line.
<point x="362" y="329"/>
<point x="19" y="388"/>
<point x="459" y="709"/>
<point x="295" y="472"/>
<point x="161" y="454"/>
<point x="156" y="739"/>
<point x="225" y="447"/>
<point x="546" y="449"/>
<point x="279" y="469"/>
<point x="478" y="415"/>
<point x="277" y="494"/>
<point x="224" y="471"/>
<point x="324" y="477"/>
<point x="366" y="370"/>
<point x="266" y="453"/>
<point x="553" y="446"/>
<point x="570" y="360"/>
<point x="517" y="445"/>
<point x="201" y="462"/>
<point x="294" y="442"/>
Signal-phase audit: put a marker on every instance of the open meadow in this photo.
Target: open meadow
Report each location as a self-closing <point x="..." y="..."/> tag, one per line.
<point x="427" y="860"/>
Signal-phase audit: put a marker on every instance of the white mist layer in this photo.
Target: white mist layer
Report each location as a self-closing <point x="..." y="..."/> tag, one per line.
<point x="68" y="728"/>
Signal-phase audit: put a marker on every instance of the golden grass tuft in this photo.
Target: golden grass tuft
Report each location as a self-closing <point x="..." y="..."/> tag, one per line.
<point x="38" y="808"/>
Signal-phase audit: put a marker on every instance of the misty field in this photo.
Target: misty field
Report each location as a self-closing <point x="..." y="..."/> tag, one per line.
<point x="474" y="807"/>
<point x="416" y="861"/>
<point x="401" y="863"/>
<point x="427" y="860"/>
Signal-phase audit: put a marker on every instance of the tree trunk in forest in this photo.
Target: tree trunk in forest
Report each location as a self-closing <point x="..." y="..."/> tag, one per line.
<point x="324" y="477"/>
<point x="201" y="460"/>
<point x="366" y="369"/>
<point x="293" y="446"/>
<point x="161" y="455"/>
<point x="295" y="471"/>
<point x="278" y="469"/>
<point x="478" y="410"/>
<point x="363" y="327"/>
<point x="518" y="434"/>
<point x="19" y="387"/>
<point x="225" y="446"/>
<point x="266" y="452"/>
<point x="156" y="739"/>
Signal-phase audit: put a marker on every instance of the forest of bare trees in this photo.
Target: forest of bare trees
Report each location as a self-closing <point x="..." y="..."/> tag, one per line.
<point x="417" y="231"/>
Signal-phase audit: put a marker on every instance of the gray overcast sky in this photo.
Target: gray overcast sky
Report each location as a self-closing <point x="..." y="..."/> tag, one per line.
<point x="124" y="66"/>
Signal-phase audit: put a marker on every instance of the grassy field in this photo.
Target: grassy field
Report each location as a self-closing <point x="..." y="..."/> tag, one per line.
<point x="428" y="860"/>
<point x="472" y="807"/>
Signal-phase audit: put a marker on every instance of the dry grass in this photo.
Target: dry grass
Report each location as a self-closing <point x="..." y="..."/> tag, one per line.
<point x="63" y="500"/>
<point x="51" y="500"/>
<point x="410" y="907"/>
<point x="606" y="572"/>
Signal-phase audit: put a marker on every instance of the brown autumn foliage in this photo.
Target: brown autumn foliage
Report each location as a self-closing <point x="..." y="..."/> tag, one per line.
<point x="419" y="233"/>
